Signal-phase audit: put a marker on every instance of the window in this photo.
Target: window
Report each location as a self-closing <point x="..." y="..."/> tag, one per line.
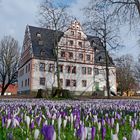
<point x="61" y="82"/>
<point x="38" y="35"/>
<point x="79" y="35"/>
<point x="25" y="82"/>
<point x="89" y="70"/>
<point x="88" y="57"/>
<point x="70" y="55"/>
<point x="84" y="83"/>
<point x="42" y="81"/>
<point x="62" y="54"/>
<point x="100" y="59"/>
<point x="97" y="86"/>
<point x="26" y="69"/>
<point x="61" y="68"/>
<point x="81" y="56"/>
<point x="40" y="42"/>
<point x="71" y="42"/>
<point x="72" y="32"/>
<point x="42" y="67"/>
<point x="80" y="44"/>
<point x="22" y="84"/>
<point x="73" y="83"/>
<point x="42" y="53"/>
<point x="29" y="67"/>
<point x="51" y="67"/>
<point x="74" y="69"/>
<point x="96" y="71"/>
<point x="83" y="70"/>
<point x="68" y="69"/>
<point x="67" y="82"/>
<point x="28" y="82"/>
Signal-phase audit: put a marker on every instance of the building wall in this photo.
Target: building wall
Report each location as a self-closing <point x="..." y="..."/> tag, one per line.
<point x="100" y="77"/>
<point x="24" y="77"/>
<point x="50" y="78"/>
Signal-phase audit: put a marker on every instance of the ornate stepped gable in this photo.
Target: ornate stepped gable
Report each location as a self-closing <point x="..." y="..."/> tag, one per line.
<point x="43" y="47"/>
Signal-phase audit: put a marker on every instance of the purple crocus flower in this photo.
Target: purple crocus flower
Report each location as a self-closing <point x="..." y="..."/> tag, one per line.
<point x="32" y="125"/>
<point x="48" y="132"/>
<point x="93" y="132"/>
<point x="3" y="121"/>
<point x="80" y="132"/>
<point x="103" y="132"/>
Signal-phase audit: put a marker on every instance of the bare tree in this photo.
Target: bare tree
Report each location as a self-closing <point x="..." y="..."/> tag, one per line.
<point x="9" y="57"/>
<point x="123" y="10"/>
<point x="53" y="15"/>
<point x="102" y="24"/>
<point x="126" y="79"/>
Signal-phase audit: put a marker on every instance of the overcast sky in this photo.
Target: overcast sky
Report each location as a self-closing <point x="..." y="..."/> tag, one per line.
<point x="16" y="14"/>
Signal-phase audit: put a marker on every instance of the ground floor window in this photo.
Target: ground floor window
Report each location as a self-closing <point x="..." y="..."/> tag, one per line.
<point x="84" y="83"/>
<point x="42" y="81"/>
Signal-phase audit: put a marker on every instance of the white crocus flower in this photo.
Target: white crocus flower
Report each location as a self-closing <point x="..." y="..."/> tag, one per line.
<point x="114" y="137"/>
<point x="130" y="119"/>
<point x="8" y="123"/>
<point x="52" y="122"/>
<point x="59" y="124"/>
<point x="124" y="138"/>
<point x="135" y="134"/>
<point x="64" y="123"/>
<point x="28" y="121"/>
<point x="54" y="136"/>
<point x="99" y="126"/>
<point x="95" y="118"/>
<point x="36" y="134"/>
<point x="15" y="122"/>
<point x="117" y="128"/>
<point x="46" y="122"/>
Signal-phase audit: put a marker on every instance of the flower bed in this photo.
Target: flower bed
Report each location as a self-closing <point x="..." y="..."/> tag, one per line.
<point x="34" y="119"/>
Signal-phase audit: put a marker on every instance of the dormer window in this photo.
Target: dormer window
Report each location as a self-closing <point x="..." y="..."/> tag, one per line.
<point x="100" y="58"/>
<point x="38" y="35"/>
<point x="42" y="53"/>
<point x="40" y="42"/>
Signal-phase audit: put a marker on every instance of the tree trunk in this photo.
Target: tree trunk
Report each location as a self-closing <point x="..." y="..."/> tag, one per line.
<point x="3" y="91"/>
<point x="107" y="72"/>
<point x="4" y="88"/>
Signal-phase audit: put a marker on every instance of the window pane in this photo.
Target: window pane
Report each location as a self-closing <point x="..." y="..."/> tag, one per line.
<point x="71" y="42"/>
<point x="83" y="70"/>
<point x="73" y="83"/>
<point x="70" y="55"/>
<point x="88" y="57"/>
<point x="61" y="68"/>
<point x="89" y="70"/>
<point x="42" y="81"/>
<point x="80" y="44"/>
<point x="68" y="69"/>
<point x="67" y="82"/>
<point x="42" y="67"/>
<point x="96" y="71"/>
<point x="81" y="56"/>
<point x="84" y="83"/>
<point x="51" y="67"/>
<point x="62" y="54"/>
<point x="74" y="69"/>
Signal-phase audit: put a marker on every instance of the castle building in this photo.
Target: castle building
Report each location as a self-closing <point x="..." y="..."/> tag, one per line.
<point x="81" y="60"/>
